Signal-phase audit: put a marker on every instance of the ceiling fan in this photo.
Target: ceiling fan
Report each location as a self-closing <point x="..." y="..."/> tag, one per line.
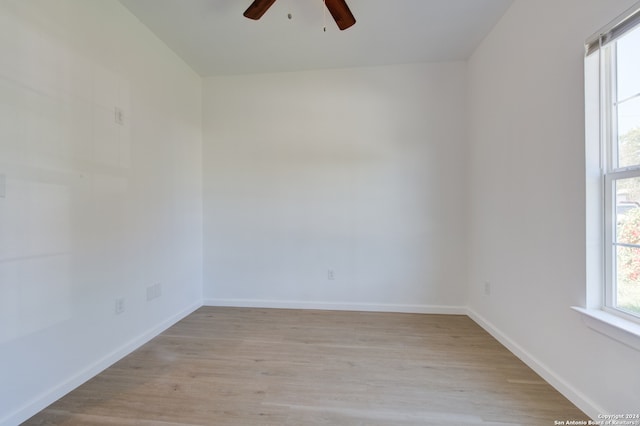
<point x="338" y="9"/>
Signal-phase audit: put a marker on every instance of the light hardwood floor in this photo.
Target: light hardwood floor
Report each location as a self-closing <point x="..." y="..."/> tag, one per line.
<point x="232" y="366"/>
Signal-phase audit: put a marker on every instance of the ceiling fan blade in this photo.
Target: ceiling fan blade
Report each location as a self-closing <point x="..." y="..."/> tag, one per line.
<point x="341" y="13"/>
<point x="258" y="8"/>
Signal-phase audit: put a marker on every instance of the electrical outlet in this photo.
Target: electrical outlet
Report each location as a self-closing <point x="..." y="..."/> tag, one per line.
<point x="154" y="291"/>
<point x="331" y="274"/>
<point x="119" y="308"/>
<point x="487" y="288"/>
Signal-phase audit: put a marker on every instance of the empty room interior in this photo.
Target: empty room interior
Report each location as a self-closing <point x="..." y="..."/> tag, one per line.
<point x="276" y="221"/>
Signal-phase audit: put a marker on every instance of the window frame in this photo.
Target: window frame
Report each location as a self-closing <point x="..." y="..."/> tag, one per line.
<point x="601" y="142"/>
<point x="612" y="173"/>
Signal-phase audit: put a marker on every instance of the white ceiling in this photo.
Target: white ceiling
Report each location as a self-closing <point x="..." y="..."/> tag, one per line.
<point x="214" y="38"/>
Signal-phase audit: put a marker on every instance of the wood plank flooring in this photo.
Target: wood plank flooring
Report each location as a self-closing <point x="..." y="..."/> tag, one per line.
<point x="236" y="366"/>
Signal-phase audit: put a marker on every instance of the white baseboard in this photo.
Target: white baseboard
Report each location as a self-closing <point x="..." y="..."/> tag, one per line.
<point x="337" y="306"/>
<point x="48" y="397"/>
<point x="589" y="407"/>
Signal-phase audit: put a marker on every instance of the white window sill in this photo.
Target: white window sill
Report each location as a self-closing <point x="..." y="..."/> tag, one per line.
<point x="613" y="326"/>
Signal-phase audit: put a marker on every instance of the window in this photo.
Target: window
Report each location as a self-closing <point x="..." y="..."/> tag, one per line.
<point x="612" y="77"/>
<point x="621" y="172"/>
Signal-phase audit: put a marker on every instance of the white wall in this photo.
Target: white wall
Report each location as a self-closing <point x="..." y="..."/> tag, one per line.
<point x="528" y="196"/>
<point x="90" y="210"/>
<point x="362" y="171"/>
